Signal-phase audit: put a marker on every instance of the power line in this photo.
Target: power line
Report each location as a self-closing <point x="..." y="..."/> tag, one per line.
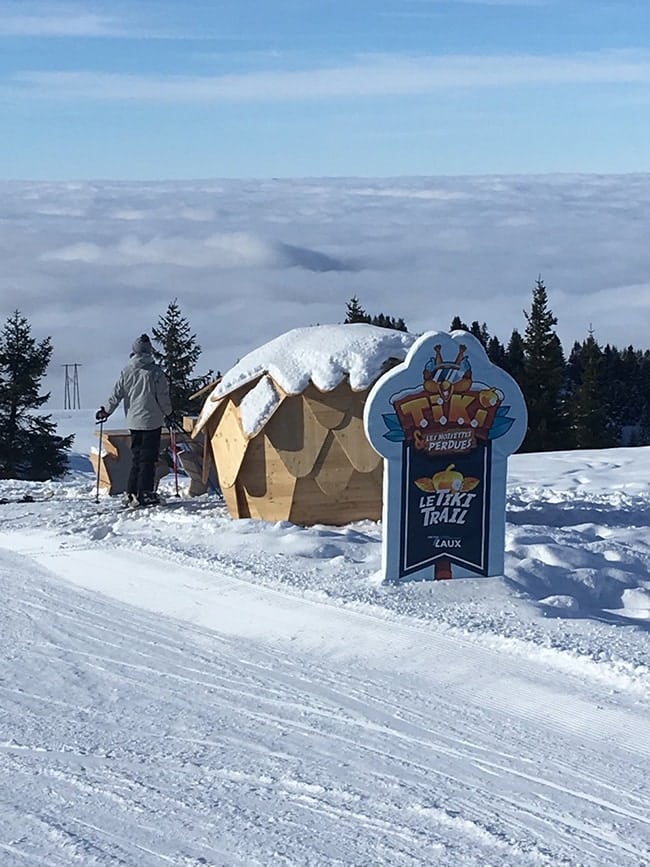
<point x="71" y="399"/>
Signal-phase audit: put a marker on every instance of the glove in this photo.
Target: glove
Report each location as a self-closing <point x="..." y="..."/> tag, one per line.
<point x="171" y="420"/>
<point x="101" y="414"/>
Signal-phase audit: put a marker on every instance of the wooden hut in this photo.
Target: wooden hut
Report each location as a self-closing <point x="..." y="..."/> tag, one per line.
<point x="111" y="461"/>
<point x="285" y="425"/>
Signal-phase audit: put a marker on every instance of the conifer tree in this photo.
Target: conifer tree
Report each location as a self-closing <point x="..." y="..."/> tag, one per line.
<point x="514" y="358"/>
<point x="480" y="332"/>
<point x="592" y="426"/>
<point x="457" y="324"/>
<point x="29" y="446"/>
<point x="178" y="355"/>
<point x="544" y="378"/>
<point x="617" y="393"/>
<point x="384" y="321"/>
<point x="354" y="312"/>
<point x="496" y="352"/>
<point x="641" y="436"/>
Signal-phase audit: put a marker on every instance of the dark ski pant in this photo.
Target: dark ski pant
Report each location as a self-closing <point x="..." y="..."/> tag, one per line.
<point x="145" y="447"/>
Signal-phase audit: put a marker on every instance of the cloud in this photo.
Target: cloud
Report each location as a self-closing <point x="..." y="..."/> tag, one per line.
<point x="267" y="257"/>
<point x="40" y="22"/>
<point x="431" y="8"/>
<point x="368" y="76"/>
<point x="312" y="260"/>
<point x="55" y="20"/>
<point x="233" y="250"/>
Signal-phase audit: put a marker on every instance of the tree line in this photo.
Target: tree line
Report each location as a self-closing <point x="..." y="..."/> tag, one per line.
<point x="597" y="397"/>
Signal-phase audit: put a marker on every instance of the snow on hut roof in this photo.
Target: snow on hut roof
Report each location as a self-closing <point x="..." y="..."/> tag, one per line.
<point x="321" y="354"/>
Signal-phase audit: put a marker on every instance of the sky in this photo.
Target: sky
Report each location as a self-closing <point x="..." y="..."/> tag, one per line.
<point x="180" y="687"/>
<point x="322" y="88"/>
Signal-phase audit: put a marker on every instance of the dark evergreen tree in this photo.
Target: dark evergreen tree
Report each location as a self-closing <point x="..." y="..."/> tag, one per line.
<point x="592" y="426"/>
<point x="178" y="355"/>
<point x="354" y="312"/>
<point x="615" y="391"/>
<point x="384" y="321"/>
<point x="496" y="352"/>
<point x="575" y="367"/>
<point x="641" y="435"/>
<point x="29" y="446"/>
<point x="631" y="377"/>
<point x="492" y="345"/>
<point x="480" y="332"/>
<point x="515" y="356"/>
<point x="544" y="378"/>
<point x="457" y="324"/>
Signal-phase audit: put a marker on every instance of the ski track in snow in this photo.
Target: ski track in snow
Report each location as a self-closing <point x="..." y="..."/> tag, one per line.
<point x="180" y="688"/>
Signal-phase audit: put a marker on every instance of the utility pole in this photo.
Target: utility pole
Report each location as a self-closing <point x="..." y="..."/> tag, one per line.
<point x="71" y="398"/>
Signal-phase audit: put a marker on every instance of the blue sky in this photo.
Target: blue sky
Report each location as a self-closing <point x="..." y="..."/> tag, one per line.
<point x="290" y="88"/>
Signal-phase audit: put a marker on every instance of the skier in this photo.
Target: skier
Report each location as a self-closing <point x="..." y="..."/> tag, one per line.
<point x="143" y="387"/>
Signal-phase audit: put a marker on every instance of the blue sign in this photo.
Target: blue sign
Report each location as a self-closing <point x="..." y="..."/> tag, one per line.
<point x="445" y="422"/>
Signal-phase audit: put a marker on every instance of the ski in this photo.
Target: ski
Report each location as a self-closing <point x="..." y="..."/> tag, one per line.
<point x="26" y="498"/>
<point x="129" y="507"/>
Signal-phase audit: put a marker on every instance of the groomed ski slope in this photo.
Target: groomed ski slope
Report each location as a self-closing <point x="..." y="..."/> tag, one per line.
<point x="178" y="688"/>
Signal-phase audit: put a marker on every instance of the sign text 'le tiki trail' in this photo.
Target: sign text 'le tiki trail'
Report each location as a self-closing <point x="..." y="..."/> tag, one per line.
<point x="445" y="421"/>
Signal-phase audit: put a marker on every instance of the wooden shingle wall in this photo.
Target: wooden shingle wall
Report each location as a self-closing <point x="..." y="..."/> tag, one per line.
<point x="310" y="464"/>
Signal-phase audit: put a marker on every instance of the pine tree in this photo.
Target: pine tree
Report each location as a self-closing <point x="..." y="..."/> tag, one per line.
<point x="514" y="359"/>
<point x="457" y="324"/>
<point x="544" y="378"/>
<point x="480" y="332"/>
<point x="354" y="312"/>
<point x="592" y="426"/>
<point x="616" y="390"/>
<point x="641" y="436"/>
<point x="178" y="355"/>
<point x="496" y="352"/>
<point x="29" y="446"/>
<point x="384" y="321"/>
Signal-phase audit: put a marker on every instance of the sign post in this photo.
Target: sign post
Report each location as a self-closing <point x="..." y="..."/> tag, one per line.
<point x="445" y="421"/>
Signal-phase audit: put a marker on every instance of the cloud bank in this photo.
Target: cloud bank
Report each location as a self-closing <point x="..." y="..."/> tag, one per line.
<point x="95" y="264"/>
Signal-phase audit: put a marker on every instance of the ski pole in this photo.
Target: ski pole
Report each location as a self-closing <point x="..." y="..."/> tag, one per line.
<point x="172" y="440"/>
<point x="99" y="456"/>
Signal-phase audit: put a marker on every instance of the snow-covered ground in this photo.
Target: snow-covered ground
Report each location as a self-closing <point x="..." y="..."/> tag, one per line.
<point x="180" y="688"/>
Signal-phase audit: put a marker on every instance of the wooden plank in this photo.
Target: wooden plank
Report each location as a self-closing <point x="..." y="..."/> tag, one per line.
<point x="229" y="445"/>
<point x="332" y="470"/>
<point x="360" y="500"/>
<point x="266" y="483"/>
<point x="230" y="498"/>
<point x="352" y="439"/>
<point x="252" y="476"/>
<point x="191" y="459"/>
<point x="296" y="436"/>
<point x="329" y="407"/>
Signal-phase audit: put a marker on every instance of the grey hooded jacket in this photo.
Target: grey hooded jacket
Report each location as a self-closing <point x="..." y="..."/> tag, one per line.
<point x="143" y="387"/>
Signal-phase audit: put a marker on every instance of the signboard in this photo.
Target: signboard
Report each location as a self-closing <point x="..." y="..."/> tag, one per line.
<point x="445" y="421"/>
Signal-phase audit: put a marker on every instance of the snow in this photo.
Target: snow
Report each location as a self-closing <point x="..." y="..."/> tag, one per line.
<point x="258" y="405"/>
<point x="181" y="688"/>
<point x="321" y="354"/>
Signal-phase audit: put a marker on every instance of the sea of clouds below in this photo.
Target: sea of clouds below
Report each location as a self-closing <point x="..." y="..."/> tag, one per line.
<point x="93" y="264"/>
